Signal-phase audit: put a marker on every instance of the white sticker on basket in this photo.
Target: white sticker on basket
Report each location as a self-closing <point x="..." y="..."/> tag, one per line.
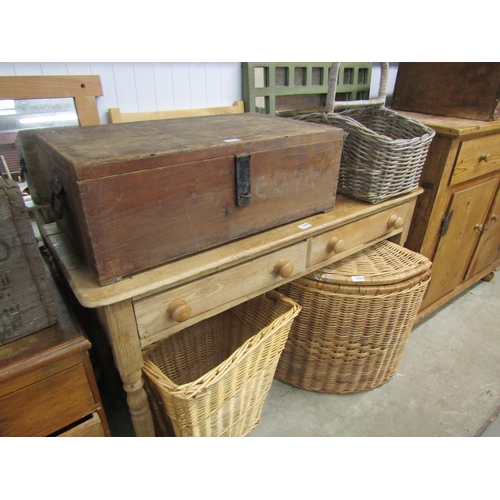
<point x="358" y="278"/>
<point x="231" y="140"/>
<point x="305" y="225"/>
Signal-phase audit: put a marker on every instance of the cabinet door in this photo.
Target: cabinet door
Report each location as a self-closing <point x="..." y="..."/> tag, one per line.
<point x="488" y="248"/>
<point x="468" y="209"/>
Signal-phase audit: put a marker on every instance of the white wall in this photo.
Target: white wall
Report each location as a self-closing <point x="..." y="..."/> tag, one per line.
<point x="134" y="87"/>
<point x="144" y="86"/>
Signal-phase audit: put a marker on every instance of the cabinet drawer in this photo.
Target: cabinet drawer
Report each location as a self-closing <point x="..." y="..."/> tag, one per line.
<point x="352" y="237"/>
<point x="476" y="157"/>
<point x="46" y="406"/>
<point x="92" y="427"/>
<point x="184" y="305"/>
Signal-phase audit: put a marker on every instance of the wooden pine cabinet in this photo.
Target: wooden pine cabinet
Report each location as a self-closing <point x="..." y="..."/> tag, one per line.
<point x="456" y="220"/>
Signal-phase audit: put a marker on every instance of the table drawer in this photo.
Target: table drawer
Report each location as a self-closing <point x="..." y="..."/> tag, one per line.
<point x="47" y="406"/>
<point x="476" y="157"/>
<point x="178" y="308"/>
<point x="352" y="237"/>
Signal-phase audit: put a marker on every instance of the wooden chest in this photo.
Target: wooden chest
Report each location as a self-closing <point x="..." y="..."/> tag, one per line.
<point x="36" y="176"/>
<point x="27" y="302"/>
<point x="459" y="89"/>
<point x="135" y="195"/>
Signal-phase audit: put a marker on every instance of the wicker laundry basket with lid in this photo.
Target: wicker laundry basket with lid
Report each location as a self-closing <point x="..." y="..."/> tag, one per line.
<point x="355" y="321"/>
<point x="212" y="378"/>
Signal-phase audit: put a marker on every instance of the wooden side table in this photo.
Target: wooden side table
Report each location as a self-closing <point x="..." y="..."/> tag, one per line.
<point x="47" y="385"/>
<point x="147" y="307"/>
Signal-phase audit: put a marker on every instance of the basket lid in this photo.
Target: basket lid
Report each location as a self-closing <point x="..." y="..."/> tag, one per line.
<point x="381" y="264"/>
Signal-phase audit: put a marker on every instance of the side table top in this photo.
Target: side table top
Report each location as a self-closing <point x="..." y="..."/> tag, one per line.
<point x="189" y="268"/>
<point x="454" y="127"/>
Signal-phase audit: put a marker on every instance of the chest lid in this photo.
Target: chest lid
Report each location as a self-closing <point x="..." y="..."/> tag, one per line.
<point x="104" y="150"/>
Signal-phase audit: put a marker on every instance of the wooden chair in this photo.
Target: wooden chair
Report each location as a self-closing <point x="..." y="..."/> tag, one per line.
<point x="116" y="116"/>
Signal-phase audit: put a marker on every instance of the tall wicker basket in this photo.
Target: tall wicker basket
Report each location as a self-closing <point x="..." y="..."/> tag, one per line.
<point x="383" y="153"/>
<point x="355" y="321"/>
<point x="212" y="378"/>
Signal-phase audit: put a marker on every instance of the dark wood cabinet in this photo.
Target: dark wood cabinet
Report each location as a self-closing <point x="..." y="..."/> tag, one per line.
<point x="47" y="385"/>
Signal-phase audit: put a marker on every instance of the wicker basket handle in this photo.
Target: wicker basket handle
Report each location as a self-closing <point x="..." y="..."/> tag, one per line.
<point x="332" y="105"/>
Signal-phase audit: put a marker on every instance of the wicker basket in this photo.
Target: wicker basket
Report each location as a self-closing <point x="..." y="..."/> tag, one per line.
<point x="212" y="378"/>
<point x="383" y="153"/>
<point x="355" y="321"/>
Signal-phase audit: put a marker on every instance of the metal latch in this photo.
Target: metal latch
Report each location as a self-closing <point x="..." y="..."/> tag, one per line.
<point x="243" y="187"/>
<point x="446" y="223"/>
<point x="57" y="196"/>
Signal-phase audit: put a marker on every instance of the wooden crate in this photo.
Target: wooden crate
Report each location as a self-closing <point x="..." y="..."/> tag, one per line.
<point x="27" y="303"/>
<point x="135" y="195"/>
<point x="460" y="89"/>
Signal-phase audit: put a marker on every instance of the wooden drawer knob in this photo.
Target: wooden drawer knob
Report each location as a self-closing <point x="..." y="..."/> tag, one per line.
<point x="395" y="222"/>
<point x="283" y="268"/>
<point x="335" y="245"/>
<point x="485" y="157"/>
<point x="179" y="310"/>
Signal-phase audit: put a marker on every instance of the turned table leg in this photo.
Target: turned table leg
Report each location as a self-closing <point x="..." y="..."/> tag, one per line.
<point x="119" y="322"/>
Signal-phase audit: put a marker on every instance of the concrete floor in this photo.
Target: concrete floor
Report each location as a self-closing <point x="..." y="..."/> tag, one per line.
<point x="448" y="384"/>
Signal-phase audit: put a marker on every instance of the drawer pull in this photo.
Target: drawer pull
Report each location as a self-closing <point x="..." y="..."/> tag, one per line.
<point x="179" y="310"/>
<point x="395" y="222"/>
<point x="485" y="157"/>
<point x="335" y="245"/>
<point x="283" y="268"/>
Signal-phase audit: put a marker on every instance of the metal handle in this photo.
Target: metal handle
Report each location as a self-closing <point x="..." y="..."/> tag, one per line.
<point x="57" y="196"/>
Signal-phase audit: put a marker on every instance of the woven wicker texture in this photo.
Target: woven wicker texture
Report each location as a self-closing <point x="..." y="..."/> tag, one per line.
<point x="211" y="379"/>
<point x="351" y="338"/>
<point x="383" y="153"/>
<point x="381" y="264"/>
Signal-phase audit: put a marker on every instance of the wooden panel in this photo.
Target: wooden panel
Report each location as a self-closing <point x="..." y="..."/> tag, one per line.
<point x="27" y="303"/>
<point x="89" y="428"/>
<point x="477" y="157"/>
<point x="208" y="294"/>
<point x="450" y="126"/>
<point x="488" y="248"/>
<point x="83" y="88"/>
<point x="31" y="370"/>
<point x="470" y="207"/>
<point x="48" y="405"/>
<point x="42" y="87"/>
<point x="461" y="89"/>
<point x="116" y="116"/>
<point x="358" y="234"/>
<point x="37" y="175"/>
